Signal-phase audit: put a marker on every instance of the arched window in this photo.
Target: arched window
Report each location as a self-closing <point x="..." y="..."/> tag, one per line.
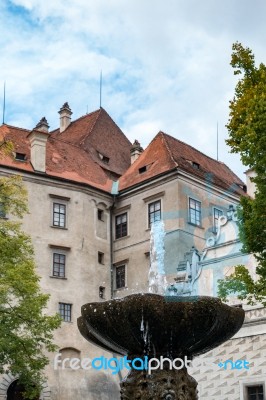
<point x="15" y="391"/>
<point x="67" y="354"/>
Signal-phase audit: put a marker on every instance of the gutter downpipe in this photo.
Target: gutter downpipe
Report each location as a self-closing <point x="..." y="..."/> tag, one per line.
<point x="114" y="192"/>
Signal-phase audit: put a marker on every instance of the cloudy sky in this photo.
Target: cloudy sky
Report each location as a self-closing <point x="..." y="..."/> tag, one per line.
<point x="165" y="63"/>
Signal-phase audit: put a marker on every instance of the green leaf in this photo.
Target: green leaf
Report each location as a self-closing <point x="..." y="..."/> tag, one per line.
<point x="26" y="333"/>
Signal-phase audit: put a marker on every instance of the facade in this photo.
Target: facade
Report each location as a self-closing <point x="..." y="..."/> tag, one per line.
<point x="218" y="374"/>
<point x="92" y="199"/>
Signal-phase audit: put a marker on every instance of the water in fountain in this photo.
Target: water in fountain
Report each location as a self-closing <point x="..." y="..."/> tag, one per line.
<point x="157" y="278"/>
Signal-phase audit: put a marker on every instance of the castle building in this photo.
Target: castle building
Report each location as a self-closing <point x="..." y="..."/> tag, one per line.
<point x="92" y="199"/>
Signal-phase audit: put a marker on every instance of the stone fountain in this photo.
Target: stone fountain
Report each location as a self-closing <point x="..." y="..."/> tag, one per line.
<point x="151" y="325"/>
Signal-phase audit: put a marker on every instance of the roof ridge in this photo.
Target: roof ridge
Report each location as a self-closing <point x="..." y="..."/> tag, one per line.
<point x="238" y="180"/>
<point x="109" y="116"/>
<point x="75" y="120"/>
<point x="168" y="149"/>
<point x="194" y="148"/>
<point x="98" y="116"/>
<point x="15" y="127"/>
<point x="221" y="162"/>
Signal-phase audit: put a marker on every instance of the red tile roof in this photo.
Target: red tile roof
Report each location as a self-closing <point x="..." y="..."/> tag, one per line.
<point x="77" y="153"/>
<point x="74" y="153"/>
<point x="166" y="153"/>
<point x="97" y="133"/>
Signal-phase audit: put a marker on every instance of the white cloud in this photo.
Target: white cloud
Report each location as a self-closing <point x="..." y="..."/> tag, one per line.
<point x="165" y="63"/>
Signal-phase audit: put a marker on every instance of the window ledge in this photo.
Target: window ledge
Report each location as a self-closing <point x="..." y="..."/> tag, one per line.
<point x="154" y="197"/>
<point x="59" y="227"/>
<point x="59" y="197"/>
<point x="122" y="288"/>
<point x="120" y="210"/>
<point x="121" y="238"/>
<point x="58" y="277"/>
<point x="197" y="226"/>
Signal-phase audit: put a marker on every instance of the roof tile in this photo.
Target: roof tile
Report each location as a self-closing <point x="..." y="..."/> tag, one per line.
<point x="165" y="153"/>
<point x="74" y="153"/>
<point x="94" y="151"/>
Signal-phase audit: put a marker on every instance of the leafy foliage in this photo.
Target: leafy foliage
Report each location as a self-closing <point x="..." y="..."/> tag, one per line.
<point x="25" y="331"/>
<point x="247" y="136"/>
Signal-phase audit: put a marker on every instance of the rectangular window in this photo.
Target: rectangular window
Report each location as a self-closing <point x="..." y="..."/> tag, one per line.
<point x="101" y="292"/>
<point x="216" y="214"/>
<point x="154" y="212"/>
<point x="100" y="214"/>
<point x="194" y="212"/>
<point x="20" y="157"/>
<point x="120" y="276"/>
<point x="59" y="215"/>
<point x="255" y="392"/>
<point x="100" y="257"/>
<point x="121" y="225"/>
<point x="59" y="265"/>
<point x="65" y="311"/>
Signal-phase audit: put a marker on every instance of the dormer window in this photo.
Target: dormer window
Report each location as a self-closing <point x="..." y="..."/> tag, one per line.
<point x="195" y="165"/>
<point x="103" y="158"/>
<point x="20" y="157"/>
<point x="106" y="160"/>
<point x="143" y="169"/>
<point x="243" y="187"/>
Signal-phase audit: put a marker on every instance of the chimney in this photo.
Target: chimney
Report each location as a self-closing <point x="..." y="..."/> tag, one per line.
<point x="38" y="139"/>
<point x="65" y="116"/>
<point x="135" y="151"/>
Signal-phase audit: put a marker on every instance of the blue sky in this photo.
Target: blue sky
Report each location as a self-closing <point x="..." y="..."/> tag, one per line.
<point x="165" y="63"/>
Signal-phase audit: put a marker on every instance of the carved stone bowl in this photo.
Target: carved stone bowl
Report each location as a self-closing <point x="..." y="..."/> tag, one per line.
<point x="153" y="325"/>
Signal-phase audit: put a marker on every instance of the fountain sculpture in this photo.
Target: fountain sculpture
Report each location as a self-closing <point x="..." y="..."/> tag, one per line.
<point x="150" y="325"/>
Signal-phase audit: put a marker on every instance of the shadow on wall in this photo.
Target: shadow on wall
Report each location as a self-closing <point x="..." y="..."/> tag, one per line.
<point x="103" y="387"/>
<point x="92" y="386"/>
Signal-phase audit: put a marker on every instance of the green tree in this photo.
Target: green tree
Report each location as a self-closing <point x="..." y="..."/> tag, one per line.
<point x="25" y="331"/>
<point x="247" y="136"/>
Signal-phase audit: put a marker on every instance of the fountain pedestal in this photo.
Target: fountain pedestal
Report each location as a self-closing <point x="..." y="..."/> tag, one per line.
<point x="163" y="384"/>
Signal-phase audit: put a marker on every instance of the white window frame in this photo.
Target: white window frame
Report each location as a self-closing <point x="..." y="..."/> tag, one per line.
<point x="215" y="229"/>
<point x="161" y="208"/>
<point x="61" y="200"/>
<point x="55" y="249"/>
<point x="254" y="381"/>
<point x="189" y="214"/>
<point x="115" y="218"/>
<point x="71" y="311"/>
<point x="60" y="253"/>
<point x="115" y="269"/>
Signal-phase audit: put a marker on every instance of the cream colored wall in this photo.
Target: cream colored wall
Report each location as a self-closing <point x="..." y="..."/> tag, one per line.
<point x="174" y="192"/>
<point x="85" y="236"/>
<point x="84" y="274"/>
<point x="251" y="187"/>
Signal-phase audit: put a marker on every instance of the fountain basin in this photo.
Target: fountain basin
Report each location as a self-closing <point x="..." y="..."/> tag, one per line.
<point x="154" y="325"/>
